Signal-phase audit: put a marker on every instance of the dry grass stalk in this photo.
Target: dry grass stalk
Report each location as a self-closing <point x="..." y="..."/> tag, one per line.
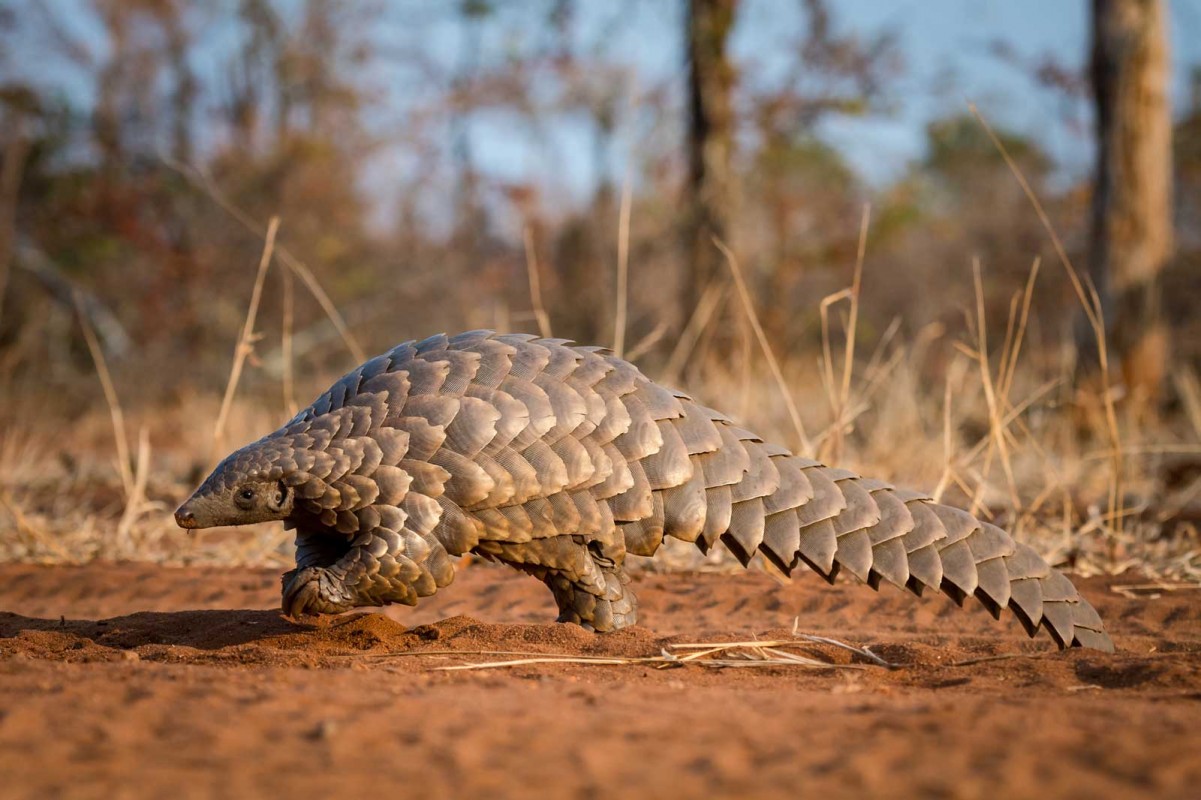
<point x="827" y="354"/>
<point x="745" y="357"/>
<point x="877" y="368"/>
<point x="995" y="421"/>
<point x="876" y="363"/>
<point x="110" y="397"/>
<point x="733" y="654"/>
<point x="647" y="342"/>
<point x="327" y="305"/>
<point x="1152" y="590"/>
<point x="134" y="505"/>
<point x="948" y="441"/>
<point x="623" y="270"/>
<point x="551" y="659"/>
<point x="34" y="535"/>
<point x="853" y="320"/>
<point x="1013" y="416"/>
<point x="1189" y="388"/>
<point x="246" y="341"/>
<point x="288" y="380"/>
<point x="1007" y="341"/>
<point x="1091" y="304"/>
<point x="862" y="652"/>
<point x="531" y="267"/>
<point x="805" y="446"/>
<point x="427" y="653"/>
<point x="1009" y="370"/>
<point x="838" y="395"/>
<point x="697" y="323"/>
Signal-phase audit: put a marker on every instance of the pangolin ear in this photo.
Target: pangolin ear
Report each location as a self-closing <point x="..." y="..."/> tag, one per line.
<point x="279" y="496"/>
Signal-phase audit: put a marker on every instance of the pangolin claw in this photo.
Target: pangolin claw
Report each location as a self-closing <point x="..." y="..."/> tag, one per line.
<point x="308" y="592"/>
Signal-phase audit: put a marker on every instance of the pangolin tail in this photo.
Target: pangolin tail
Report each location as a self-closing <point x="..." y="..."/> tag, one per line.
<point x="759" y="498"/>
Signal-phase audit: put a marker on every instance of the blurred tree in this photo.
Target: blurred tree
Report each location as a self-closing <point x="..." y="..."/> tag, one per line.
<point x="958" y="203"/>
<point x="960" y="153"/>
<point x="186" y="87"/>
<point x="801" y="235"/>
<point x="711" y="128"/>
<point x="1131" y="236"/>
<point x="471" y="217"/>
<point x="1187" y="161"/>
<point x="586" y="252"/>
<point x="801" y="193"/>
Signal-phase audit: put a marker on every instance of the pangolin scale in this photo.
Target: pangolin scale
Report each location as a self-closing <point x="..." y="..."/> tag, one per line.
<point x="561" y="460"/>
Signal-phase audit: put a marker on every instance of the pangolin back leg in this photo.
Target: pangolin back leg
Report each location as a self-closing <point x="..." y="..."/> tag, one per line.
<point x="600" y="602"/>
<point x="759" y="498"/>
<point x="588" y="581"/>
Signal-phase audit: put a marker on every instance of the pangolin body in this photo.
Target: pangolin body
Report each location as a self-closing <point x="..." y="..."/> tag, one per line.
<point x="560" y="460"/>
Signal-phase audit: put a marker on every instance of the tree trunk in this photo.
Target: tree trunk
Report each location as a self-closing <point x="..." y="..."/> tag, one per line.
<point x="1131" y="233"/>
<point x="710" y="146"/>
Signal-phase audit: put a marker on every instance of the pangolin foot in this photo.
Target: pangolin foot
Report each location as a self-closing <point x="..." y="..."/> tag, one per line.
<point x="614" y="609"/>
<point x="314" y="590"/>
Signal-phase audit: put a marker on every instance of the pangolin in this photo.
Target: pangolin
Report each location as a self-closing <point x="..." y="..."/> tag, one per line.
<point x="561" y="460"/>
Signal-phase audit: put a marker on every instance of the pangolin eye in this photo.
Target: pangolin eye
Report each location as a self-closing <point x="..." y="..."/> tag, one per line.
<point x="247" y="494"/>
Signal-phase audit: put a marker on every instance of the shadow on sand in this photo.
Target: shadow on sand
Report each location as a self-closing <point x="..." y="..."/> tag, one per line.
<point x="203" y="630"/>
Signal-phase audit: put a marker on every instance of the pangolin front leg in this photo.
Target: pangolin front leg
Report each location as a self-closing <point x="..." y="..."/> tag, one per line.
<point x="378" y="567"/>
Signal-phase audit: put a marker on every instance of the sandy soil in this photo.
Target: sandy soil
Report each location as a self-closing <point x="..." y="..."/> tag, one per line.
<point x="139" y="681"/>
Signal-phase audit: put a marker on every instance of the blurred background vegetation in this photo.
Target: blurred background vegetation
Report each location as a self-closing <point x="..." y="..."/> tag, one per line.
<point x="427" y="159"/>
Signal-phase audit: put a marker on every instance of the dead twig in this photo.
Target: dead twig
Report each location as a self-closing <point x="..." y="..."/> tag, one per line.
<point x="623" y="270"/>
<point x="531" y="266"/>
<point x="245" y="344"/>
<point x="288" y="381"/>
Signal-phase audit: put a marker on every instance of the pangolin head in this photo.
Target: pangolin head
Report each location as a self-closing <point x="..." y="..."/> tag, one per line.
<point x="248" y="486"/>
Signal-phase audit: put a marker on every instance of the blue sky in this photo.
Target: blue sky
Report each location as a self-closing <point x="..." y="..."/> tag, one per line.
<point x="945" y="47"/>
<point x="948" y="60"/>
<point x="941" y="37"/>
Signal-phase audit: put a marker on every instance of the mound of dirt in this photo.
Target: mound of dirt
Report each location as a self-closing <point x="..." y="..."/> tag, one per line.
<point x="137" y="680"/>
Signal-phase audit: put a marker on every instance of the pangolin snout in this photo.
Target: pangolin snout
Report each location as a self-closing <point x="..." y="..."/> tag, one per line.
<point x="185" y="518"/>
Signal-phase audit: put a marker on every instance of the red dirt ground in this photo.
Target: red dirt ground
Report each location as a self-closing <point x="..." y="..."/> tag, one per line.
<point x="145" y="681"/>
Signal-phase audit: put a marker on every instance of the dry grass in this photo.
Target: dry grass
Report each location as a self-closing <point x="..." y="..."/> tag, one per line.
<point x="996" y="430"/>
<point x="770" y="653"/>
<point x="531" y="264"/>
<point x="996" y="434"/>
<point x="63" y="502"/>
